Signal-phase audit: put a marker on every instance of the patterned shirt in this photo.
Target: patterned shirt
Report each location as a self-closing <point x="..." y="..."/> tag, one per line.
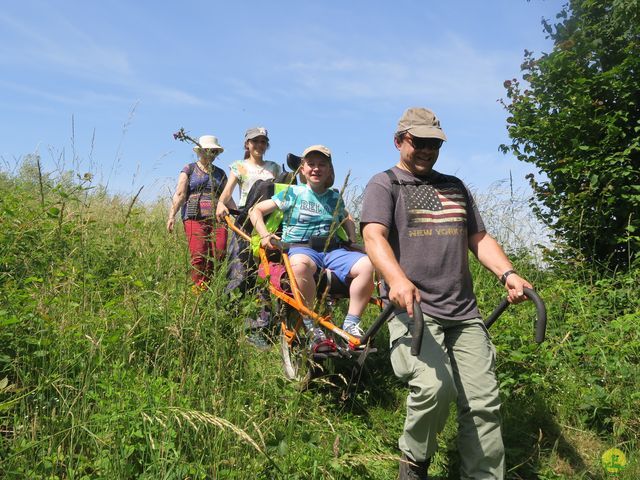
<point x="429" y="224"/>
<point x="307" y="213"/>
<point x="248" y="173"/>
<point x="200" y="186"/>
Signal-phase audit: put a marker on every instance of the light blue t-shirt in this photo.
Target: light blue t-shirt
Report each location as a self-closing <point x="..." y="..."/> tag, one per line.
<point x="307" y="213"/>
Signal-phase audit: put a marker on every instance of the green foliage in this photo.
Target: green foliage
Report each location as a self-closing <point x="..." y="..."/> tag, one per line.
<point x="575" y="395"/>
<point x="111" y="368"/>
<point x="576" y="116"/>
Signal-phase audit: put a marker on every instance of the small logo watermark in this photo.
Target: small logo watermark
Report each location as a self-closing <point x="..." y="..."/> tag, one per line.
<point x="614" y="460"/>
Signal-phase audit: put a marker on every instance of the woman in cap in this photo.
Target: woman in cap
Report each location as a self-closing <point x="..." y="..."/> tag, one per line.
<point x="199" y="187"/>
<point x="244" y="173"/>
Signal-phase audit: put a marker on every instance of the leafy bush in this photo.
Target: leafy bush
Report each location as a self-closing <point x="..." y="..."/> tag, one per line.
<point x="576" y="116"/>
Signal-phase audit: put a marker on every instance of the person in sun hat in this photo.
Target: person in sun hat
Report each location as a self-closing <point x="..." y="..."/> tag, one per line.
<point x="244" y="174"/>
<point x="314" y="209"/>
<point x="199" y="186"/>
<point x="418" y="226"/>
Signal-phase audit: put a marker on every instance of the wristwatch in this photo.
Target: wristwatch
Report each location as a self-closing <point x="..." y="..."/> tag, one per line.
<point x="503" y="278"/>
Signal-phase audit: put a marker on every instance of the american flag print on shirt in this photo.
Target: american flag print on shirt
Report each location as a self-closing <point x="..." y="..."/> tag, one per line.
<point x="427" y="204"/>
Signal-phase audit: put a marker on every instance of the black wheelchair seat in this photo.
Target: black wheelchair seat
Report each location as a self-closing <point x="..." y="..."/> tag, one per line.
<point x="328" y="283"/>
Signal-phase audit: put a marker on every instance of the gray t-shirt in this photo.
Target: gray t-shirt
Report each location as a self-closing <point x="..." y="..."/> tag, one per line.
<point x="429" y="227"/>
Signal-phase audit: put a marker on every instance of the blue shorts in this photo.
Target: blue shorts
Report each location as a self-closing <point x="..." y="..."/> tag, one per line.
<point x="339" y="261"/>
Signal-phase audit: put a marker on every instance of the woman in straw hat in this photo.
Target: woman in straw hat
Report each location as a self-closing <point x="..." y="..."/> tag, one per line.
<point x="199" y="186"/>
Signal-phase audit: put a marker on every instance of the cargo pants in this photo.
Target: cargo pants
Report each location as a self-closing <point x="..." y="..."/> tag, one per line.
<point x="456" y="362"/>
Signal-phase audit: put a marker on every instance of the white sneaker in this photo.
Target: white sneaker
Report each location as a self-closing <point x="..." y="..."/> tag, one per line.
<point x="355" y="330"/>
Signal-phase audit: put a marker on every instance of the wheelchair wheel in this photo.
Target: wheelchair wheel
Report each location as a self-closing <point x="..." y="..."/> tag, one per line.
<point x="297" y="363"/>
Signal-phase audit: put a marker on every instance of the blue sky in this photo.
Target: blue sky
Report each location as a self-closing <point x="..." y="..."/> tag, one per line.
<point x="334" y="72"/>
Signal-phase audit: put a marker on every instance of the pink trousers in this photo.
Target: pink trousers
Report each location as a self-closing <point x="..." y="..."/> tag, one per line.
<point x="207" y="242"/>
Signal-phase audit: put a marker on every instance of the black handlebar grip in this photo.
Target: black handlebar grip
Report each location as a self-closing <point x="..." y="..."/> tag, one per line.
<point x="375" y="326"/>
<point x="277" y="243"/>
<point x="490" y="320"/>
<point x="541" y="313"/>
<point x="416" y="334"/>
<point x="418" y="327"/>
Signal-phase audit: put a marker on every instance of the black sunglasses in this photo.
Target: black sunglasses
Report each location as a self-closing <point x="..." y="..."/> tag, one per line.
<point x="420" y="143"/>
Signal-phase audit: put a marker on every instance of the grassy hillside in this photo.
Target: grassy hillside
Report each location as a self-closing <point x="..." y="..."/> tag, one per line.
<point x="111" y="368"/>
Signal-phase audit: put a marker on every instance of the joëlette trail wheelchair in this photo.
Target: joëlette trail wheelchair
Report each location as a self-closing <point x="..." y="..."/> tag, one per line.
<point x="299" y="362"/>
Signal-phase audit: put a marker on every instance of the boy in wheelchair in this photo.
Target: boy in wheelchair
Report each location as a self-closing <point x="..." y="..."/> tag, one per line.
<point x="312" y="214"/>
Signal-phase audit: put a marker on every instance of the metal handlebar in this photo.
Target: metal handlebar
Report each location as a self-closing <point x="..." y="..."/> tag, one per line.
<point x="541" y="313"/>
<point x="416" y="334"/>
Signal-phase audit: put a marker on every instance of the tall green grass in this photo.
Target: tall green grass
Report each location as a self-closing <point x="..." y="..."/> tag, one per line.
<point x="111" y="368"/>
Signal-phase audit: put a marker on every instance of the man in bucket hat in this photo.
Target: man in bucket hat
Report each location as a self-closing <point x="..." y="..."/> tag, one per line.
<point x="418" y="225"/>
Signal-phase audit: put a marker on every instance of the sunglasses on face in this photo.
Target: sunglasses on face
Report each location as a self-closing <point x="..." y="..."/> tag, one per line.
<point x="419" y="143"/>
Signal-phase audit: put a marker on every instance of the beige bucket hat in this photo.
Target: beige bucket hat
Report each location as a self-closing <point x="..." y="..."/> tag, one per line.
<point x="209" y="141"/>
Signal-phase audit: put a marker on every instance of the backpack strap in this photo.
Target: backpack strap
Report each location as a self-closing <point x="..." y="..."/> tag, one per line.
<point x="190" y="168"/>
<point x="395" y="186"/>
<point x="219" y="188"/>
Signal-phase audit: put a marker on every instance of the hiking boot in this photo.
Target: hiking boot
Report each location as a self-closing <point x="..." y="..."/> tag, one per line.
<point x="258" y="339"/>
<point x="320" y="343"/>
<point x="355" y="330"/>
<point x="412" y="470"/>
